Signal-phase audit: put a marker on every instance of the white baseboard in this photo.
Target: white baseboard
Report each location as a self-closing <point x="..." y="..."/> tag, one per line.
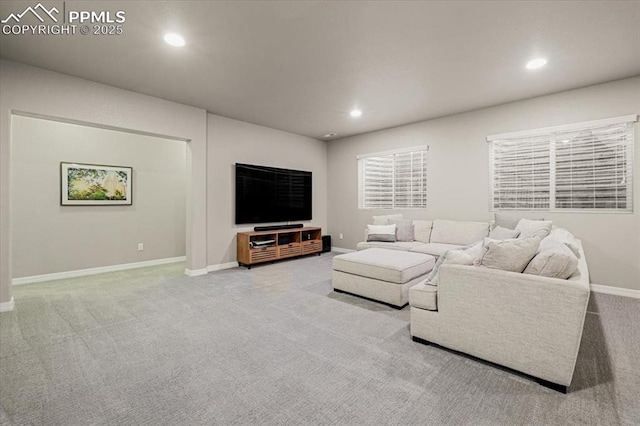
<point x="341" y="250"/>
<point x="221" y="266"/>
<point x="616" y="291"/>
<point x="94" y="271"/>
<point x="195" y="272"/>
<point x="7" y="306"/>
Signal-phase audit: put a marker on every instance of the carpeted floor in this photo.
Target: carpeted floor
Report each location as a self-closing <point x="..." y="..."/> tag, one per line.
<point x="274" y="345"/>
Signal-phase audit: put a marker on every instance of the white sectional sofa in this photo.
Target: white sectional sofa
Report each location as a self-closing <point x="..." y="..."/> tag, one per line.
<point x="529" y="323"/>
<point x="522" y="320"/>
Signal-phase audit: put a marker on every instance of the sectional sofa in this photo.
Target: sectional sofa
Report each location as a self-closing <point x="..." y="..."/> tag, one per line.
<point x="529" y="322"/>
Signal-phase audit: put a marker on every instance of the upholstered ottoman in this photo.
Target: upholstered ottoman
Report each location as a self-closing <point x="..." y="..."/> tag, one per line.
<point x="380" y="274"/>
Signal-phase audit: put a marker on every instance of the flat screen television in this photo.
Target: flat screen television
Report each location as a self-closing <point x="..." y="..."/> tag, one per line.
<point x="269" y="194"/>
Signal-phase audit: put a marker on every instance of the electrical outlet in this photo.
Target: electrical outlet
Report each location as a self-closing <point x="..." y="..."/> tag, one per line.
<point x="140" y="246"/>
<point x="341" y="236"/>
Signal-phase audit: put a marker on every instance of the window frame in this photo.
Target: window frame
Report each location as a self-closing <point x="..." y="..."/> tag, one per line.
<point x="550" y="133"/>
<point x="423" y="149"/>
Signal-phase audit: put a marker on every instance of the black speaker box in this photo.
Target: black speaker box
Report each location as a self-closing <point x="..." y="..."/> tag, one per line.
<point x="326" y="243"/>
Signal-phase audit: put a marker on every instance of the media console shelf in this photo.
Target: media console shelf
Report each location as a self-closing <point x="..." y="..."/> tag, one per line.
<point x="267" y="246"/>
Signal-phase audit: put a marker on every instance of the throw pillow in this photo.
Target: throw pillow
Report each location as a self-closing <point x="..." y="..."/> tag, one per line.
<point x="422" y="230"/>
<point x="462" y="256"/>
<point x="404" y="229"/>
<point x="384" y="220"/>
<point x="529" y="228"/>
<point x="500" y="233"/>
<point x="563" y="236"/>
<point x="555" y="260"/>
<point x="507" y="255"/>
<point x="385" y="233"/>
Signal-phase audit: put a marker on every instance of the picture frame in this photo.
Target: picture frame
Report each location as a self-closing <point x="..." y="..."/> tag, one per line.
<point x="84" y="184"/>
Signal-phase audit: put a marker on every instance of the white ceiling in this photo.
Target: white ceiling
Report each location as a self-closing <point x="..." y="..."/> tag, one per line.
<point x="301" y="66"/>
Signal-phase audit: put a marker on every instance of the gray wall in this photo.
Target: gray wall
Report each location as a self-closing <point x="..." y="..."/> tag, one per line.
<point x="231" y="141"/>
<point x="36" y="91"/>
<point x="50" y="238"/>
<point x="458" y="173"/>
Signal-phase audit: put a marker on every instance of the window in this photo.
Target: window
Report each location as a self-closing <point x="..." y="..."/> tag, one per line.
<point x="393" y="180"/>
<point x="583" y="166"/>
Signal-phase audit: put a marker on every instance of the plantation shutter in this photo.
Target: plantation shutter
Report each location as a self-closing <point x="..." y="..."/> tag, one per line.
<point x="593" y="168"/>
<point x="410" y="176"/>
<point x="394" y="179"/>
<point x="378" y="182"/>
<point x="521" y="173"/>
<point x="582" y="166"/>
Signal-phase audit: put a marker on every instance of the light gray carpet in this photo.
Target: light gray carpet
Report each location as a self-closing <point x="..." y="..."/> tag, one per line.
<point x="274" y="345"/>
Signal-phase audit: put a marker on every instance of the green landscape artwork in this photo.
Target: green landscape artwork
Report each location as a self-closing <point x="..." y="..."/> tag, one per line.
<point x="87" y="184"/>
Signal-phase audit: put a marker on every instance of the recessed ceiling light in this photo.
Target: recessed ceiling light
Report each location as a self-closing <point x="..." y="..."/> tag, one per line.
<point x="330" y="135"/>
<point x="355" y="113"/>
<point x="174" y="39"/>
<point x="534" y="64"/>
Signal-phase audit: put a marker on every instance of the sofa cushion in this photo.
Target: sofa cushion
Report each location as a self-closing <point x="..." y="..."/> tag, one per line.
<point x="424" y="296"/>
<point x="507" y="255"/>
<point x="458" y="256"/>
<point x="385" y="233"/>
<point x="529" y="228"/>
<point x="384" y="220"/>
<point x="386" y="265"/>
<point x="508" y="220"/>
<point x="458" y="232"/>
<point x="400" y="245"/>
<point x="500" y="233"/>
<point x="554" y="259"/>
<point x="422" y="230"/>
<point x="404" y="229"/>
<point x="434" y="249"/>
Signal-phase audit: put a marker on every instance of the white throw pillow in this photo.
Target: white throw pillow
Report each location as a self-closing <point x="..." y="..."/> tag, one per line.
<point x="500" y="233"/>
<point x="385" y="233"/>
<point x="555" y="260"/>
<point x="563" y="236"/>
<point x="529" y="228"/>
<point x="461" y="256"/>
<point x="422" y="230"/>
<point x="507" y="255"/>
<point x="384" y="220"/>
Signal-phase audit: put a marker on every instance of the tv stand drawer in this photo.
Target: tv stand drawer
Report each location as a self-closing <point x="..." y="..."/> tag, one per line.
<point x="263" y="254"/>
<point x="311" y="247"/>
<point x="289" y="250"/>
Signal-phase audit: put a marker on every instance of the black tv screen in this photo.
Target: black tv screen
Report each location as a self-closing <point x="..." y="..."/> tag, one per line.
<point x="269" y="194"/>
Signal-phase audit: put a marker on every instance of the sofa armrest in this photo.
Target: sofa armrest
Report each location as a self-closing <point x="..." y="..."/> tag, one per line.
<point x="526" y="322"/>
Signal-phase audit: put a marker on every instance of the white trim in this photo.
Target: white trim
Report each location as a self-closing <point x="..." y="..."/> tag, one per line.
<point x="565" y="127"/>
<point x="221" y="266"/>
<point x="195" y="272"/>
<point x="616" y="291"/>
<point x="7" y="306"/>
<point x="395" y="151"/>
<point x="95" y="125"/>
<point x="342" y="250"/>
<point x="93" y="271"/>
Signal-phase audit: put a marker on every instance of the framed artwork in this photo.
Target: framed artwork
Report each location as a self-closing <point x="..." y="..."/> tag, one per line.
<point x="95" y="185"/>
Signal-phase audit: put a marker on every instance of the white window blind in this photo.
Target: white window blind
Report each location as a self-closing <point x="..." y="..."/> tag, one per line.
<point x="576" y="167"/>
<point x="393" y="180"/>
